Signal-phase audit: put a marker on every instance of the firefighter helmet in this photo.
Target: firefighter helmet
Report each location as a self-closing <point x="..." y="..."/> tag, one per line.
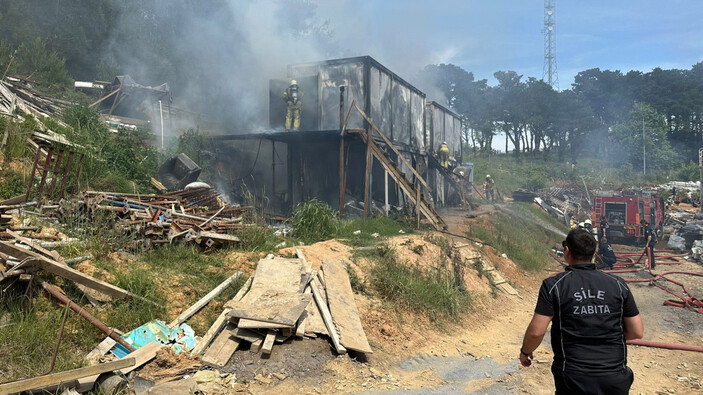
<point x="293" y="82"/>
<point x="488" y="176"/>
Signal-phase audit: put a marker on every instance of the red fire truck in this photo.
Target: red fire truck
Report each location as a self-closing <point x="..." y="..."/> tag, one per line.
<point x="624" y="210"/>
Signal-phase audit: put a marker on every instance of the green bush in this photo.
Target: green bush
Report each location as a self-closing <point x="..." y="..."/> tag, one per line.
<point x="42" y="64"/>
<point x="12" y="184"/>
<point x="687" y="172"/>
<point x="534" y="182"/>
<point x="433" y="291"/>
<point x="314" y="221"/>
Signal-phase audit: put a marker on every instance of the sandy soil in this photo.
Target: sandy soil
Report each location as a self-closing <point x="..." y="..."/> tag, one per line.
<point x="479" y="353"/>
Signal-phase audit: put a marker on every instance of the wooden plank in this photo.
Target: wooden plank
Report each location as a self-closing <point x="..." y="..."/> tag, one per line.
<point x="268" y="342"/>
<point x="302" y="323"/>
<point x="256" y="346"/>
<point x="222" y="348"/>
<point x="220" y="322"/>
<point x="275" y="295"/>
<point x="215" y="328"/>
<point x="273" y="307"/>
<point x="49" y="254"/>
<point x="143" y="355"/>
<point x="184" y="316"/>
<point x="246" y="334"/>
<point x="58" y="269"/>
<point x="343" y="308"/>
<point x="313" y="320"/>
<point x="251" y="324"/>
<point x="306" y="265"/>
<point x="63" y="377"/>
<point x="327" y="318"/>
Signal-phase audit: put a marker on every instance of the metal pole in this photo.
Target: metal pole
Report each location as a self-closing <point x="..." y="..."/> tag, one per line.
<point x="386" y="206"/>
<point x="161" y="112"/>
<point x="644" y="151"/>
<point x="700" y="168"/>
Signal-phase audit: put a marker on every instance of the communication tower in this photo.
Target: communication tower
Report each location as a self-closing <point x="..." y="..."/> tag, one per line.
<point x="549" y="70"/>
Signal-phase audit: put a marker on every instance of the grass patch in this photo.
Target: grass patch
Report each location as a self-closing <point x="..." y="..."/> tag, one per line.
<point x="433" y="291"/>
<point x="383" y="226"/>
<point x="521" y="235"/>
<point x="28" y="343"/>
<point x="314" y="221"/>
<point x="257" y="238"/>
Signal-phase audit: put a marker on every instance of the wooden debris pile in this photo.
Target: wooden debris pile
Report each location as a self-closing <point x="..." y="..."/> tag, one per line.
<point x="192" y="215"/>
<point x="284" y="299"/>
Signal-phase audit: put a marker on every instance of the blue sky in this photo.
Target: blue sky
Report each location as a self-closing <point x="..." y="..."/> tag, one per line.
<point x="486" y="36"/>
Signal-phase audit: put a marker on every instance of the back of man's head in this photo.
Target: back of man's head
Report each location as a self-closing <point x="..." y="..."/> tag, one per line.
<point x="581" y="244"/>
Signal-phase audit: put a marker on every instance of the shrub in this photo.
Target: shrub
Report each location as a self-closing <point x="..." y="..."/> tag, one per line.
<point x="314" y="221"/>
<point x="12" y="184"/>
<point x="687" y="172"/>
<point x="257" y="238"/>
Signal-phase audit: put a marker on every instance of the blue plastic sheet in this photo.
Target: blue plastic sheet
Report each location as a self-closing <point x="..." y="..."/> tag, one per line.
<point x="180" y="338"/>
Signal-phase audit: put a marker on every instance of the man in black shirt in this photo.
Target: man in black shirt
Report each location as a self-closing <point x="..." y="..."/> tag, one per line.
<point x="592" y="315"/>
<point x="606" y="256"/>
<point x="651" y="237"/>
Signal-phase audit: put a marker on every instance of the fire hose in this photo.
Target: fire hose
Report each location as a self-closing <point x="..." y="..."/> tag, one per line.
<point x="687" y="299"/>
<point x="670" y="346"/>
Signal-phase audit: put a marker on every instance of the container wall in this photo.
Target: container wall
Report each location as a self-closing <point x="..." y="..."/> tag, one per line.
<point x="381" y="104"/>
<point x="331" y="78"/>
<point x="401" y="113"/>
<point x="417" y="104"/>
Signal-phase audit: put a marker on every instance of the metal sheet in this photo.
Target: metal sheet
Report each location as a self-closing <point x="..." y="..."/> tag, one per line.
<point x="381" y="104"/>
<point x="437" y="128"/>
<point x="401" y="113"/>
<point x="331" y="78"/>
<point x="417" y="104"/>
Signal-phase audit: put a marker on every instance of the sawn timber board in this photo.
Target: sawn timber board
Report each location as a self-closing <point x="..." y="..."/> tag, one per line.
<point x="343" y="308"/>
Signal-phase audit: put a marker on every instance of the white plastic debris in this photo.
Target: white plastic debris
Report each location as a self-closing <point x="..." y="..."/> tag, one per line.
<point x="401" y="231"/>
<point x="356" y="232"/>
<point x="503" y="255"/>
<point x="374" y="235"/>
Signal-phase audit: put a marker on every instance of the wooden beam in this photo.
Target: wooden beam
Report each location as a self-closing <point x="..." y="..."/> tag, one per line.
<point x="63" y="377"/>
<point x="268" y="342"/>
<point x="31" y="175"/>
<point x="327" y="318"/>
<point x="391" y="146"/>
<point x="64" y="271"/>
<point x="184" y="316"/>
<point x="105" y="97"/>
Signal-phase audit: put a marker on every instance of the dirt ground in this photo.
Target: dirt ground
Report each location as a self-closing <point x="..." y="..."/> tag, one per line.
<point x="479" y="354"/>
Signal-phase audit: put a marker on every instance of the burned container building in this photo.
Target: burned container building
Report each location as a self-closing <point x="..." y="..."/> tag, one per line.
<point x="344" y="102"/>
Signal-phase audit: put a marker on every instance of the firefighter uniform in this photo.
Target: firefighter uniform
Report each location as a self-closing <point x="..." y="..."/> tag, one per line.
<point x="489" y="187"/>
<point x="443" y="153"/>
<point x="650" y="237"/>
<point x="293" y="97"/>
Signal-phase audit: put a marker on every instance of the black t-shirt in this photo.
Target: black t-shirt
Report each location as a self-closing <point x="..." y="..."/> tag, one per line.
<point x="607" y="254"/>
<point x="649" y="231"/>
<point x="587" y="308"/>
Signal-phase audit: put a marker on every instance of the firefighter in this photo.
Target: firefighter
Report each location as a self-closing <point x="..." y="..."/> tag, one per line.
<point x="606" y="256"/>
<point x="651" y="237"/>
<point x="603" y="231"/>
<point x="489" y="186"/>
<point x="443" y="153"/>
<point x="293" y="97"/>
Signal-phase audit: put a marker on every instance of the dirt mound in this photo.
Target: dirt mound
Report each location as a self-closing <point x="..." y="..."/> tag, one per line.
<point x="315" y="253"/>
<point x="168" y="365"/>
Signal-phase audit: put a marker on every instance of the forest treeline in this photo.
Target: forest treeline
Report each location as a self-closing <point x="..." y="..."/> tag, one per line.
<point x="619" y="117"/>
<point x="616" y="116"/>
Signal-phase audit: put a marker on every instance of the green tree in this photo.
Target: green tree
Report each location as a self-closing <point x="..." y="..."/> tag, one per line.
<point x="643" y="131"/>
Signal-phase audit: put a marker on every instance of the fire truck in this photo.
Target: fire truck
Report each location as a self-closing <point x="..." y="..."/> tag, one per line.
<point x="624" y="210"/>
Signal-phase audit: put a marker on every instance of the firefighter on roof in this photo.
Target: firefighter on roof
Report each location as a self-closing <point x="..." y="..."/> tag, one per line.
<point x="443" y="153"/>
<point x="293" y="97"/>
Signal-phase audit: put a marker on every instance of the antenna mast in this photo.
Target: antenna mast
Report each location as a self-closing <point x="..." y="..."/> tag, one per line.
<point x="549" y="70"/>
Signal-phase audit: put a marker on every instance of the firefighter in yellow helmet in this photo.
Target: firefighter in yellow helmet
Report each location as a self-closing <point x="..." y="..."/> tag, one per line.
<point x="489" y="187"/>
<point x="293" y="97"/>
<point x="443" y="153"/>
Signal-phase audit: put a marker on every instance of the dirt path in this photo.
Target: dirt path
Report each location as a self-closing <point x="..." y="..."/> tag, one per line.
<point x="479" y="354"/>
